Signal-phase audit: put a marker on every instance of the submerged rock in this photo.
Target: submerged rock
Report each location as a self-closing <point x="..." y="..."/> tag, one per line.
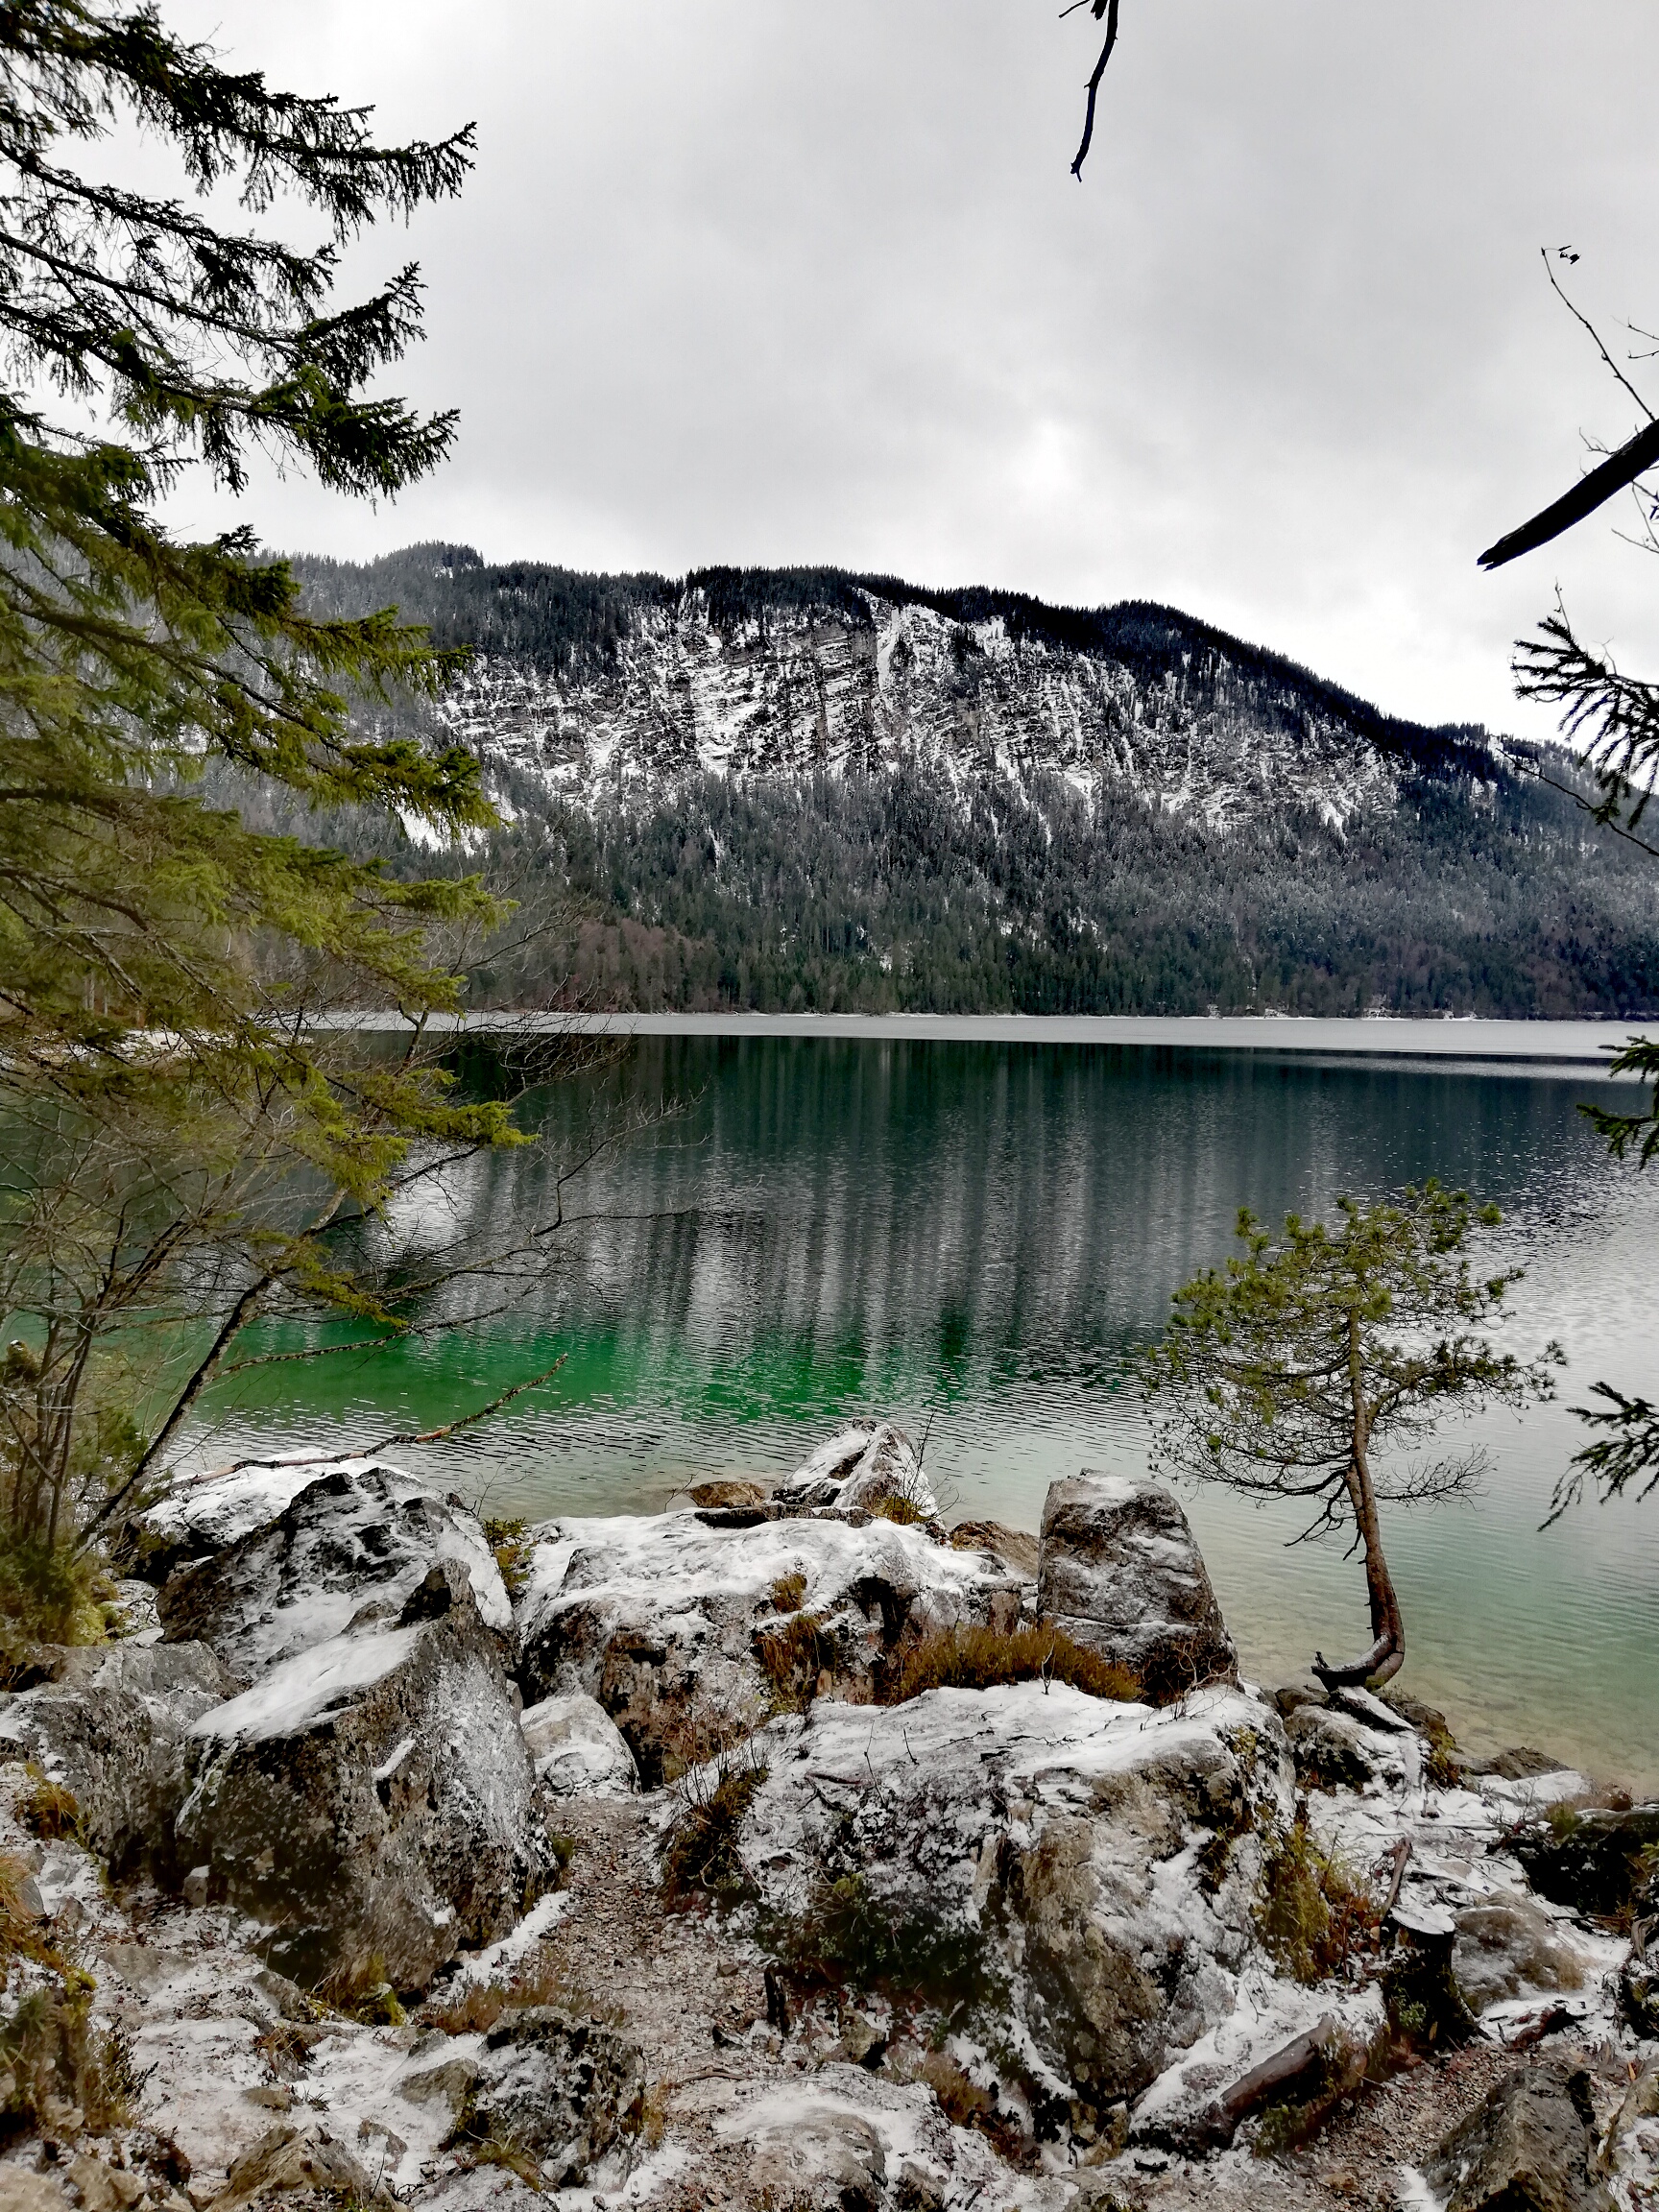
<point x="350" y="1544"/>
<point x="113" y="1725"/>
<point x="372" y="1799"/>
<point x="1122" y="1573"/>
<point x="677" y="1628"/>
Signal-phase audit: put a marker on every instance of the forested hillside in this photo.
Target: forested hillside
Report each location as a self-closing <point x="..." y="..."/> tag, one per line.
<point x="801" y="788"/>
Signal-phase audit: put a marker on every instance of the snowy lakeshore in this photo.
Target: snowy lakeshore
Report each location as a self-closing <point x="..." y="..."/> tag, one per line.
<point x="787" y="1849"/>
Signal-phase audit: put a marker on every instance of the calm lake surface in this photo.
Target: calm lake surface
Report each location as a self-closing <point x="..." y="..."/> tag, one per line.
<point x="974" y="1238"/>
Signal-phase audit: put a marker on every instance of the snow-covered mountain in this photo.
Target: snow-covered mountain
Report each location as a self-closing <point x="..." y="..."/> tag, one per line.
<point x="803" y="787"/>
<point x="604" y="687"/>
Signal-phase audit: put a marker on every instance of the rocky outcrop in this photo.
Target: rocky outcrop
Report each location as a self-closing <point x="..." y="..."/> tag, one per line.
<point x="1600" y="1861"/>
<point x="675" y="1628"/>
<point x="1121" y="1572"/>
<point x="112" y="1724"/>
<point x="1093" y="1862"/>
<point x="372" y="1799"/>
<point x="1528" y="2144"/>
<point x="349" y="1546"/>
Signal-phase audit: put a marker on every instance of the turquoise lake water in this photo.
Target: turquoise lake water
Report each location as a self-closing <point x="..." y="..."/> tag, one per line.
<point x="973" y="1239"/>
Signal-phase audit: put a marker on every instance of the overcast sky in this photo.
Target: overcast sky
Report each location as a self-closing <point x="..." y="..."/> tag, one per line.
<point x="764" y="281"/>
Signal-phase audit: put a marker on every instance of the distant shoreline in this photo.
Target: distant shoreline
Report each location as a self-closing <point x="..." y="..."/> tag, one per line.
<point x="1577" y="1044"/>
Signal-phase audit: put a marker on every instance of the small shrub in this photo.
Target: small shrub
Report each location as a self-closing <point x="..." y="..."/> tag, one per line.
<point x="849" y="1937"/>
<point x="792" y="1657"/>
<point x="1563" y="1821"/>
<point x="512" y="1550"/>
<point x="54" y="2055"/>
<point x="49" y="1593"/>
<point x="980" y="1658"/>
<point x="896" y="1506"/>
<point x="789" y="1592"/>
<point x="563" y="1850"/>
<point x="701" y="1856"/>
<point x="48" y="1808"/>
<point x="1310" y="1916"/>
<point x="1441" y="1764"/>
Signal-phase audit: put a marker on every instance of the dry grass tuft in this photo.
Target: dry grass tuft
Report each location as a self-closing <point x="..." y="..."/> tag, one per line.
<point x="981" y="1658"/>
<point x="792" y="1657"/>
<point x="789" y="1592"/>
<point x="959" y="2097"/>
<point x="48" y="1808"/>
<point x="475" y="2009"/>
<point x="700" y="1859"/>
<point x="896" y="1506"/>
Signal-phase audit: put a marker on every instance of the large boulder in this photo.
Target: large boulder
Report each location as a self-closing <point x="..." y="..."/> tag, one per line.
<point x="1121" y="1572"/>
<point x="678" y="1629"/>
<point x="1527" y="2148"/>
<point x="214" y="1510"/>
<point x="576" y="1747"/>
<point x="1096" y="1864"/>
<point x="371" y="1800"/>
<point x="112" y="1724"/>
<point x="350" y="1544"/>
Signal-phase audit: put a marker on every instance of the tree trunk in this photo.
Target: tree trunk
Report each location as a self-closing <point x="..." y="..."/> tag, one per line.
<point x="1387" y="1653"/>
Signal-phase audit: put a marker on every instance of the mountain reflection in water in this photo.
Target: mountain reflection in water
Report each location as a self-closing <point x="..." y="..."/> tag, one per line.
<point x="973" y="1239"/>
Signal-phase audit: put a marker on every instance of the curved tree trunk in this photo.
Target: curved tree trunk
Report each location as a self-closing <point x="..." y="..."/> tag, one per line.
<point x="1387" y="1653"/>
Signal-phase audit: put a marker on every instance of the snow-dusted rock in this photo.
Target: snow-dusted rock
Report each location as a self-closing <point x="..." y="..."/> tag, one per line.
<point x="1106" y="1856"/>
<point x="559" y="2087"/>
<point x="1509" y="1947"/>
<point x="663" y="1619"/>
<point x="1279" y="2040"/>
<point x="576" y="1747"/>
<point x="372" y="1799"/>
<point x="1121" y="1571"/>
<point x="206" y="1515"/>
<point x="1335" y="1751"/>
<point x="349" y="1543"/>
<point x="112" y="1726"/>
<point x="856" y="1470"/>
<point x="1528" y="2143"/>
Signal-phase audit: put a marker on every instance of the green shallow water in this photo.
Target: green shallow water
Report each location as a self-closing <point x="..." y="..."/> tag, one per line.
<point x="973" y="1239"/>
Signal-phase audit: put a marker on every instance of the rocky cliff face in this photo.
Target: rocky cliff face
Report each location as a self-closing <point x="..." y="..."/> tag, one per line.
<point x="800" y="689"/>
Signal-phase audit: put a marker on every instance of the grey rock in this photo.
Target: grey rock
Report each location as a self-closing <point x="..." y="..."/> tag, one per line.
<point x="562" y="2089"/>
<point x="1015" y="1548"/>
<point x="1525" y="2148"/>
<point x="1639" y="1994"/>
<point x="824" y="2159"/>
<point x="1332" y="1751"/>
<point x="577" y="1749"/>
<point x="1520" y="1763"/>
<point x="1510" y="1948"/>
<point x="856" y="1471"/>
<point x="1120" y="1570"/>
<point x="679" y="1630"/>
<point x="112" y="1724"/>
<point x="349" y="1545"/>
<point x="1305" y="1690"/>
<point x="1096" y="1863"/>
<point x="287" y="2162"/>
<point x="371" y="1800"/>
